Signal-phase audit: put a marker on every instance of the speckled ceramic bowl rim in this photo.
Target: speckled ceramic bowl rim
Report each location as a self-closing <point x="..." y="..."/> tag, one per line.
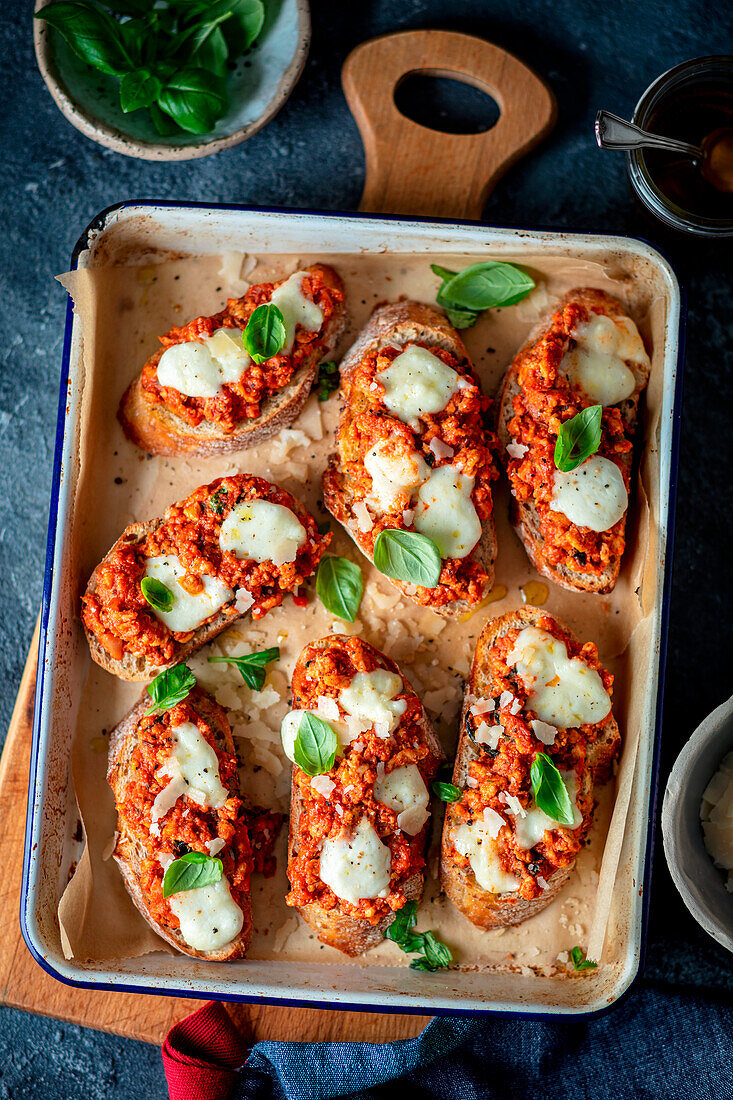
<point x="707" y="735"/>
<point x="112" y="138"/>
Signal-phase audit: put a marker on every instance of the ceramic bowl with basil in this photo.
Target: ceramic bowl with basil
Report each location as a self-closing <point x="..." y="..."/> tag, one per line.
<point x="172" y="80"/>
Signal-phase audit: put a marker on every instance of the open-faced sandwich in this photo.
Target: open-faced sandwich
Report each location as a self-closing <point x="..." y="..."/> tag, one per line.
<point x="365" y="755"/>
<point x="223" y="383"/>
<point x="567" y="419"/>
<point x="537" y="735"/>
<point x="411" y="481"/>
<point x="166" y="587"/>
<point x="186" y="846"/>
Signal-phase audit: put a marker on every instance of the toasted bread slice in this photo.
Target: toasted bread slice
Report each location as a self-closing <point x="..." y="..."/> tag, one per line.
<point x="397" y="324"/>
<point x="137" y="666"/>
<point x="130" y="852"/>
<point x="482" y="908"/>
<point x="524" y="515"/>
<point x="336" y="927"/>
<point x="159" y="430"/>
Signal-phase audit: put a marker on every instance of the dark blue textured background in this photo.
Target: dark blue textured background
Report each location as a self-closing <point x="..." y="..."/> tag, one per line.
<point x="52" y="180"/>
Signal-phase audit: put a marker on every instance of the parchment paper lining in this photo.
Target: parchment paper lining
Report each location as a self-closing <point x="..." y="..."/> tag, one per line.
<point x="123" y="310"/>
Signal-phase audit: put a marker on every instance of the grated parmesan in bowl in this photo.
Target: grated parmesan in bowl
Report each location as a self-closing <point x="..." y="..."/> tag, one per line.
<point x="716" y="815"/>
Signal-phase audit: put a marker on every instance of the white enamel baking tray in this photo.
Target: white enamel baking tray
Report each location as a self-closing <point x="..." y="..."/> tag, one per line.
<point x="139" y="229"/>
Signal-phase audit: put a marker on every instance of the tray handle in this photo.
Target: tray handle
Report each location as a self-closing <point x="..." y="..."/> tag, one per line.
<point x="413" y="170"/>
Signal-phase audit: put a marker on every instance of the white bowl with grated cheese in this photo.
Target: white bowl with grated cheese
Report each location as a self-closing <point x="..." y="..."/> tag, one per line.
<point x="697" y="824"/>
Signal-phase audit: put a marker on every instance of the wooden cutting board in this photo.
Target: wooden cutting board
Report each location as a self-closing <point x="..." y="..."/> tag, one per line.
<point x="410" y="170"/>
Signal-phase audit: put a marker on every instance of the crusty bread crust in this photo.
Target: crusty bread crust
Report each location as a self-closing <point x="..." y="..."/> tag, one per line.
<point x="157" y="430"/>
<point x="349" y="934"/>
<point x="484" y="909"/>
<point x="396" y="324"/>
<point x="524" y="517"/>
<point x="129" y="854"/>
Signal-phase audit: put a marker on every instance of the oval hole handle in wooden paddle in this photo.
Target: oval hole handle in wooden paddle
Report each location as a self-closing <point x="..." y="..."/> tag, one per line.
<point x="413" y="170"/>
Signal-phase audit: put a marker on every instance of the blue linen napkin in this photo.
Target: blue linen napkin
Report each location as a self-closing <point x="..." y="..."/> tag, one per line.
<point x="656" y="1044"/>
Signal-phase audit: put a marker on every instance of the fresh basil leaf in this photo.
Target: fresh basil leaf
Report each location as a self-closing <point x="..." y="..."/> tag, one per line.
<point x="194" y="99"/>
<point x="405" y="919"/>
<point x="212" y="53"/>
<point x="448" y="792"/>
<point x="191" y="872"/>
<point x="157" y="594"/>
<point x="245" y="26"/>
<point x="579" y="438"/>
<point x="437" y="954"/>
<point x="315" y="745"/>
<point x="139" y="39"/>
<point x="407" y="556"/>
<point x="170" y="687"/>
<point x="138" y="89"/>
<point x="443" y="272"/>
<point x="92" y="34"/>
<point x="165" y="125"/>
<point x="579" y="960"/>
<point x="339" y="586"/>
<point x="550" y="793"/>
<point x="265" y="333"/>
<point x="329" y="379"/>
<point x="460" y="318"/>
<point x="485" y="286"/>
<point x="421" y="964"/>
<point x="251" y="665"/>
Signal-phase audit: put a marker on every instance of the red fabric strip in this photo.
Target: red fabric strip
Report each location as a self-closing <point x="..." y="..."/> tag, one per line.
<point x="201" y="1055"/>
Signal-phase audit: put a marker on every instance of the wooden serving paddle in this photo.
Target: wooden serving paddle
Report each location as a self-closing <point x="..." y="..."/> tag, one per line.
<point x="411" y="169"/>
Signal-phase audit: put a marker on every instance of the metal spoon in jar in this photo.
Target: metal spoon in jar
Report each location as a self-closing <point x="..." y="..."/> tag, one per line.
<point x="714" y="156"/>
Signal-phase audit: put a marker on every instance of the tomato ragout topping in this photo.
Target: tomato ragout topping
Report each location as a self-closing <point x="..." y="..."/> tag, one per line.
<point x="241" y="839"/>
<point x="457" y="436"/>
<point x="325" y="673"/>
<point x="546" y="399"/>
<point x="242" y="399"/>
<point x="119" y="616"/>
<point x="499" y="779"/>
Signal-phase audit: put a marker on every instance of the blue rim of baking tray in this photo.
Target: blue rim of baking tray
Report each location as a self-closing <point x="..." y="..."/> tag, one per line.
<point x="97" y="223"/>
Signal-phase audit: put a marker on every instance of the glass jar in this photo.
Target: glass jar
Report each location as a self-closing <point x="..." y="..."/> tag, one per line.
<point x="687" y="102"/>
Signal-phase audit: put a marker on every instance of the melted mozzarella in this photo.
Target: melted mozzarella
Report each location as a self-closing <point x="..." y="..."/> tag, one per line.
<point x="597" y="363"/>
<point x="188" y="612"/>
<point x="562" y="690"/>
<point x="194" y="760"/>
<point x="478" y="844"/>
<point x="210" y="918"/>
<point x="395" y="475"/>
<point x="358" y="866"/>
<point x="593" y="495"/>
<point x="530" y="829"/>
<point x="404" y="791"/>
<point x="259" y="530"/>
<point x="370" y="698"/>
<point x="296" y="309"/>
<point x="418" y="382"/>
<point x="445" y="512"/>
<point x="199" y="368"/>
